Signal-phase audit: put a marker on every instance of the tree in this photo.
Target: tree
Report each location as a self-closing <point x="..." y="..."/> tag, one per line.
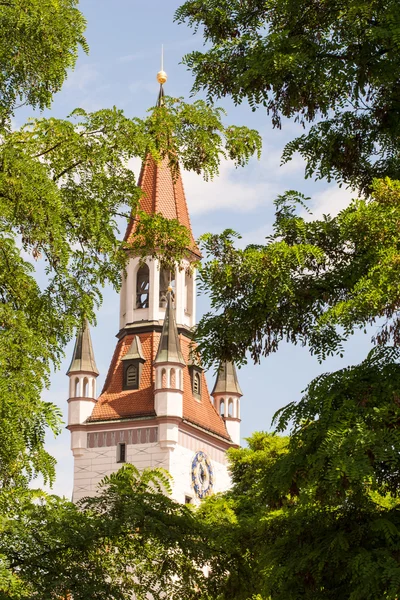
<point x="65" y="189"/>
<point x="335" y="66"/>
<point x="333" y="63"/>
<point x="65" y="192"/>
<point x="319" y="520"/>
<point x="39" y="43"/>
<point x="234" y="521"/>
<point x="130" y="538"/>
<point x="317" y="515"/>
<point x="314" y="282"/>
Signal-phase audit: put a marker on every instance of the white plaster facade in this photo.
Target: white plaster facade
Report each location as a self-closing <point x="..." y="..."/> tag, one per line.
<point x="92" y="464"/>
<point x="228" y="405"/>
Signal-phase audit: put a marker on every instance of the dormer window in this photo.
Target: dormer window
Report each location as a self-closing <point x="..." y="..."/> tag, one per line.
<point x="196" y="370"/>
<point x="132" y="373"/>
<point x="133" y="365"/>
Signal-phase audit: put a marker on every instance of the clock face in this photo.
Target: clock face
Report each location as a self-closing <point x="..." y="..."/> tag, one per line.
<point x="202" y="475"/>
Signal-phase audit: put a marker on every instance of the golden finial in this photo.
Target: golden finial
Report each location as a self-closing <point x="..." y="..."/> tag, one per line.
<point x="161" y="75"/>
<point x="170" y="289"/>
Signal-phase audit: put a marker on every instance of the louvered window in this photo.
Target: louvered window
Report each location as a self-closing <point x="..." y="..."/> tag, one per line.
<point x="132" y="376"/>
<point x="196" y="384"/>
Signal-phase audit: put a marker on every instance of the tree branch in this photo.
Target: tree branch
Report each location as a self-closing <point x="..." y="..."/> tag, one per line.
<point x="78" y="162"/>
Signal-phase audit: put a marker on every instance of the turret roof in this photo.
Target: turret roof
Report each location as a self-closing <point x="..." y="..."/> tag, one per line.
<point x="227" y="381"/>
<point x="162" y="193"/>
<point x="83" y="355"/>
<point x="169" y="349"/>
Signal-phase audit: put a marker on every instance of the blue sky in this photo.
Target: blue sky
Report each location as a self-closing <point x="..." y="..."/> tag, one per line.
<point x="125" y="38"/>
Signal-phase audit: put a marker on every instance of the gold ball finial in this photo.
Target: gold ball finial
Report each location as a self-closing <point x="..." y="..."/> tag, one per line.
<point x="170" y="288"/>
<point x="161" y="77"/>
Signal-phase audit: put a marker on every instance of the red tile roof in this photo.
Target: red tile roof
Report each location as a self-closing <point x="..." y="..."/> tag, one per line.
<point x="115" y="403"/>
<point x="162" y="194"/>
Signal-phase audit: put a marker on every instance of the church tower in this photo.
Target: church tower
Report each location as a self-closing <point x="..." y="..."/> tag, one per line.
<point x="155" y="409"/>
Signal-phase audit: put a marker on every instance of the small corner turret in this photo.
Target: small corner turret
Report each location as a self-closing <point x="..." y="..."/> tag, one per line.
<point x="82" y="375"/>
<point x="169" y="364"/>
<point x="227" y="394"/>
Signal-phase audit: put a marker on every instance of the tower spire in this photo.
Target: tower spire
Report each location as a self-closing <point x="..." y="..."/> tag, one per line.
<point x="161" y="78"/>
<point x="83" y="355"/>
<point x="169" y="349"/>
<point x="227" y="381"/>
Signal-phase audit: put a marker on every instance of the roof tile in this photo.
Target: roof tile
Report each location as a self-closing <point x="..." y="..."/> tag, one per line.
<point x="162" y="194"/>
<point x="114" y="403"/>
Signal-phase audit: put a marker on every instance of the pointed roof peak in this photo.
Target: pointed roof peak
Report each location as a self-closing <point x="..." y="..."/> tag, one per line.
<point x="83" y="355"/>
<point x="161" y="78"/>
<point x="135" y="351"/>
<point x="163" y="193"/>
<point x="162" y="187"/>
<point x="227" y="381"/>
<point x="169" y="349"/>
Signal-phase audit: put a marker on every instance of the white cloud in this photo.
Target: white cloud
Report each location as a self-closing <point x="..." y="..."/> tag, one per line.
<point x="227" y="191"/>
<point x="330" y="201"/>
<point x="242" y="190"/>
<point x="295" y="165"/>
<point x="135" y="164"/>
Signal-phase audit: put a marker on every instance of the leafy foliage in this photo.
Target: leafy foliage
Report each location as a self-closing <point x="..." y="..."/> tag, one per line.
<point x="332" y="62"/>
<point x="130" y="538"/>
<point x="313" y="282"/>
<point x="39" y="43"/>
<point x="316" y="515"/>
<point x="65" y="191"/>
<point x="195" y="136"/>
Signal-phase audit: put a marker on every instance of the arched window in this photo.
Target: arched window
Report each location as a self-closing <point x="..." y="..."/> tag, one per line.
<point x="230" y="407"/>
<point x="222" y="408"/>
<point x="142" y="287"/>
<point x="76" y="393"/>
<point x="85" y="388"/>
<point x="173" y="379"/>
<point x="163" y="378"/>
<point x="131" y="376"/>
<point x="188" y="293"/>
<point x="167" y="279"/>
<point x="196" y="384"/>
